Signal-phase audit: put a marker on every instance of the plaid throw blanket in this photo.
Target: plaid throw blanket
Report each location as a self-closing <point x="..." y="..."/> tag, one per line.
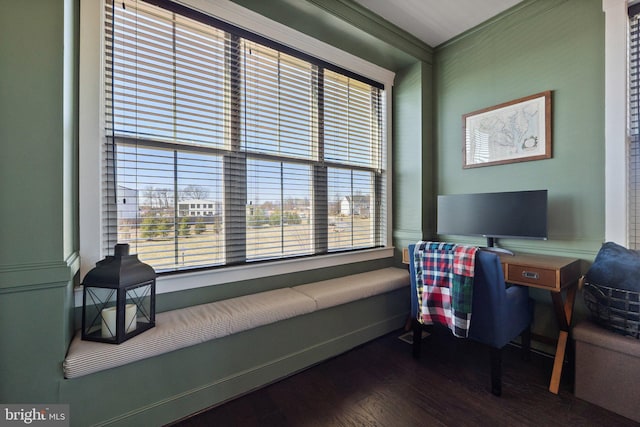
<point x="444" y="284"/>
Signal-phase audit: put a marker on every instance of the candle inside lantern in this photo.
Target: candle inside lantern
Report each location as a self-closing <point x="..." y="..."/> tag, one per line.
<point x="109" y="320"/>
<point x="130" y="318"/>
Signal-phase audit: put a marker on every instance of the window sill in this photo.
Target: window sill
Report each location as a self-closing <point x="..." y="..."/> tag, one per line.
<point x="199" y="279"/>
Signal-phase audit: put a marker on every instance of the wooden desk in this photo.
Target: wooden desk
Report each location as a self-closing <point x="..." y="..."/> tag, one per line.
<point x="559" y="275"/>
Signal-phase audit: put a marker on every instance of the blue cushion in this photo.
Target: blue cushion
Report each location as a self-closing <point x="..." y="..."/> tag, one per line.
<point x="617" y="267"/>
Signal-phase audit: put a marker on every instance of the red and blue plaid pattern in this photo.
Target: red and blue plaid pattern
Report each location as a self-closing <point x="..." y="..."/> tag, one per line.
<point x="444" y="284"/>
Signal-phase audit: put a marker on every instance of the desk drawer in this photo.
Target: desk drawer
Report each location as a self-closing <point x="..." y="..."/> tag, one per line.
<point x="532" y="275"/>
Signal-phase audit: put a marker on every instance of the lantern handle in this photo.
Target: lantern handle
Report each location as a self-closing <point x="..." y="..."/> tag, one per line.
<point x="120" y="250"/>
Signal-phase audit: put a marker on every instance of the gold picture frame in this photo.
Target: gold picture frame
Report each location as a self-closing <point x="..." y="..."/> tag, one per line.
<point x="514" y="131"/>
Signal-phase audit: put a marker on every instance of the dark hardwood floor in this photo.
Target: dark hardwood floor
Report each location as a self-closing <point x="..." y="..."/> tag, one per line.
<point x="380" y="384"/>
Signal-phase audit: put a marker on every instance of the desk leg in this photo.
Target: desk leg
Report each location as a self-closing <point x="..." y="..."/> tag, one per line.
<point x="564" y="313"/>
<point x="558" y="362"/>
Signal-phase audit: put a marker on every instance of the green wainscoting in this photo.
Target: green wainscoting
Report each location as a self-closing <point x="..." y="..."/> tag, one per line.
<point x="38" y="182"/>
<point x="168" y="387"/>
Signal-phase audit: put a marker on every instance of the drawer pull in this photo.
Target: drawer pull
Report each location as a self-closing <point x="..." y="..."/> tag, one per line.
<point x="530" y="275"/>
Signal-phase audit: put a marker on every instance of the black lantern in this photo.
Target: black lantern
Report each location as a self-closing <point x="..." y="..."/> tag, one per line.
<point x="119" y="298"/>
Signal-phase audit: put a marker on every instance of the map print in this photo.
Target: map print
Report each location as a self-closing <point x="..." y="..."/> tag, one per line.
<point x="507" y="133"/>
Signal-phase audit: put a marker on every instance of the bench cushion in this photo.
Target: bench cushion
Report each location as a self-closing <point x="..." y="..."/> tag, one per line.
<point x="342" y="290"/>
<point x="193" y="325"/>
<point x="186" y="327"/>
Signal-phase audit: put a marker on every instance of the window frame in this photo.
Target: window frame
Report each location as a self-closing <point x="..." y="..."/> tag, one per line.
<point x="616" y="134"/>
<point x="92" y="132"/>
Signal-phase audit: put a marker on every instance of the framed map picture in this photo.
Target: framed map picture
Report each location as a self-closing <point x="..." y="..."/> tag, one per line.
<point x="516" y="131"/>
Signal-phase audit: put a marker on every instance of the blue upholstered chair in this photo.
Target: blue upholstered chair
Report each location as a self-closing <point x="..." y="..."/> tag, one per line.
<point x="499" y="314"/>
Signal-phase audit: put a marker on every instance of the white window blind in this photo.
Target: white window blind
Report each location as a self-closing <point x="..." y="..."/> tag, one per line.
<point x="633" y="225"/>
<point x="225" y="148"/>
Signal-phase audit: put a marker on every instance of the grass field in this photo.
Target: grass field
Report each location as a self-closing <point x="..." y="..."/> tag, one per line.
<point x="207" y="248"/>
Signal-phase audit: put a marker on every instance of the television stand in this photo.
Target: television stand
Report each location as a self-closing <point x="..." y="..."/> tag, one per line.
<point x="491" y="247"/>
<point x="496" y="250"/>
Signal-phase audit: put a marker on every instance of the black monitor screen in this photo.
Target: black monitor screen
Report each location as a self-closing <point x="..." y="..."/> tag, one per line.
<point x="515" y="214"/>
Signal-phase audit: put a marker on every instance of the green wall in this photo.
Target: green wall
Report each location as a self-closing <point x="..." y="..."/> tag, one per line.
<point x="413" y="149"/>
<point x="542" y="45"/>
<point x="39" y="254"/>
<point x="38" y="212"/>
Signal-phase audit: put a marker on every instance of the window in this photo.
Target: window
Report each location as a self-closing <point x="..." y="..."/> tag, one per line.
<point x="633" y="187"/>
<point x="225" y="148"/>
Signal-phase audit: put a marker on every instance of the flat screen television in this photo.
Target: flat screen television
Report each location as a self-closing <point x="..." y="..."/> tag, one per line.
<point x="512" y="214"/>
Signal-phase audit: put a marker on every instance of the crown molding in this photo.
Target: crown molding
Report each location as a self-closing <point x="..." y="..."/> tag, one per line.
<point x="366" y="20"/>
<point x="532" y="8"/>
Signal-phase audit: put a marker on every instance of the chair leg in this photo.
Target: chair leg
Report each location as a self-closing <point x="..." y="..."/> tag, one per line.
<point x="526" y="343"/>
<point x="496" y="371"/>
<point x="417" y="338"/>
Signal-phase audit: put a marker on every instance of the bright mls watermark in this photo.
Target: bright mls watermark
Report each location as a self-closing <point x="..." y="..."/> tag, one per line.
<point x="34" y="414"/>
